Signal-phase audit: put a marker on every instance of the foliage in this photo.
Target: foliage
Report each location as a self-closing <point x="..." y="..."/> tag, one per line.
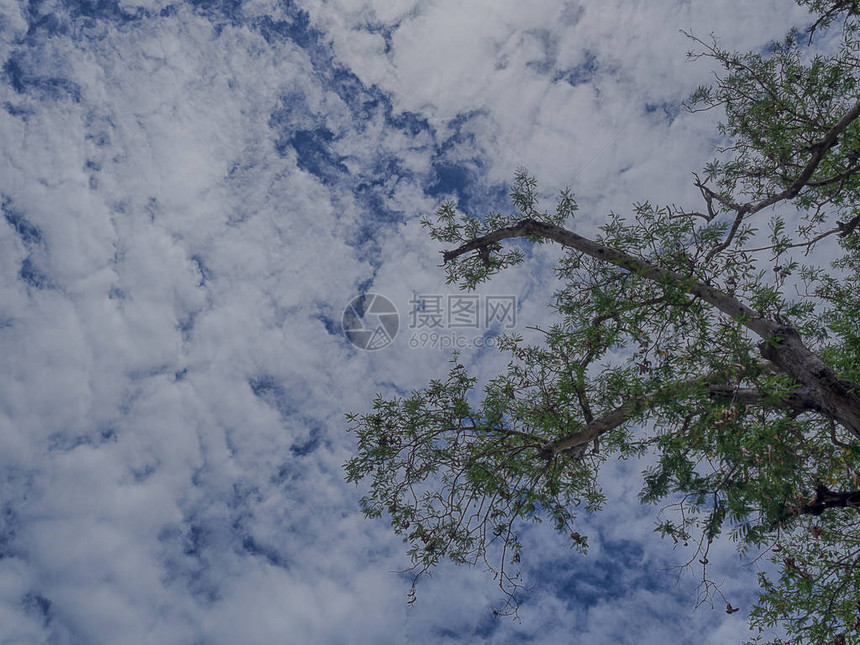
<point x="735" y="365"/>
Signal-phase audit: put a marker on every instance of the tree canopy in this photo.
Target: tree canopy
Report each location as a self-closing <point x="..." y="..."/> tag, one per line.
<point x="735" y="362"/>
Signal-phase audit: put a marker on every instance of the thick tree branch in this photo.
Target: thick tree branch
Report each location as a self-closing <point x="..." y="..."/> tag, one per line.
<point x="530" y="227"/>
<point x="846" y="228"/>
<point x="800" y="400"/>
<point x="591" y="431"/>
<point x="826" y="498"/>
<point x="838" y="399"/>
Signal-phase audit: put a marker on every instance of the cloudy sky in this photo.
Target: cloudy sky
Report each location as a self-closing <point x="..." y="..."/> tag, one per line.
<point x="191" y="194"/>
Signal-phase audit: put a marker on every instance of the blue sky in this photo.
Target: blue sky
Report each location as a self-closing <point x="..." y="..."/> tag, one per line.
<point x="191" y="194"/>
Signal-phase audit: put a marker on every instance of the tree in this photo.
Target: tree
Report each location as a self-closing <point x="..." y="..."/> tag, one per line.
<point x="740" y="361"/>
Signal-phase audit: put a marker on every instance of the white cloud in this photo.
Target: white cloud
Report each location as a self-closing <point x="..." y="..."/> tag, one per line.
<point x="158" y="386"/>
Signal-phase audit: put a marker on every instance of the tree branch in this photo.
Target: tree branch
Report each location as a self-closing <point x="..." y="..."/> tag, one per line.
<point x="826" y="498"/>
<point x="846" y="228"/>
<point x="530" y="227"/>
<point x="819" y="151"/>
<point x="838" y="399"/>
<point x="826" y="17"/>
<point x="840" y="227"/>
<point x="801" y="400"/>
<point x="591" y="431"/>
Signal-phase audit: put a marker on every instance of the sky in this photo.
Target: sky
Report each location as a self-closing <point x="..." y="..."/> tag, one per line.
<point x="192" y="193"/>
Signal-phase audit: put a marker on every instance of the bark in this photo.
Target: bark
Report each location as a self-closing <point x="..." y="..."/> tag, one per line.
<point x="834" y="397"/>
<point x="826" y="498"/>
<point x="837" y="398"/>
<point x="799" y="400"/>
<point x="590" y="432"/>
